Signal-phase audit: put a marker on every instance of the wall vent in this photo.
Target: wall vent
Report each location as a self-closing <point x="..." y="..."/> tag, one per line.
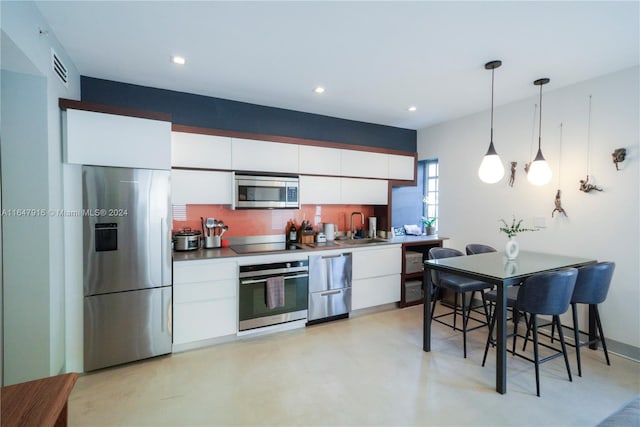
<point x="59" y="68"/>
<point x="179" y="212"/>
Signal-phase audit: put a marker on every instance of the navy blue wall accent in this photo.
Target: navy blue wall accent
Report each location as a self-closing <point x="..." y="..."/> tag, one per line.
<point x="406" y="203"/>
<point x="203" y="111"/>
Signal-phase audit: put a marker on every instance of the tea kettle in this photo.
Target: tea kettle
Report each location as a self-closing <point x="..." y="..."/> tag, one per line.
<point x="330" y="231"/>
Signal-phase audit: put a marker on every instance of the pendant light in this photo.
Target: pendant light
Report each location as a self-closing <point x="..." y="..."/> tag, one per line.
<point x="491" y="169"/>
<point x="539" y="171"/>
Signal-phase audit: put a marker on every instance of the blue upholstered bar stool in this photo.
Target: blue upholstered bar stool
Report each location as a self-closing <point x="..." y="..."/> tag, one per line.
<point x="547" y="294"/>
<point x="591" y="288"/>
<point x="460" y="286"/>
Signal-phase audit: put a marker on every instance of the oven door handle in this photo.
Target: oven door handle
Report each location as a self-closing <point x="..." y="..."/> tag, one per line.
<point x="251" y="282"/>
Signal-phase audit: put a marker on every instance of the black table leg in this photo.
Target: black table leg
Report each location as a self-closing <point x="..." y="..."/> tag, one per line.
<point x="501" y="339"/>
<point x="426" y="328"/>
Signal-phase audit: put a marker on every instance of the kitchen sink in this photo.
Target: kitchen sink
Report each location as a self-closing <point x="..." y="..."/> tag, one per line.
<point x="362" y="241"/>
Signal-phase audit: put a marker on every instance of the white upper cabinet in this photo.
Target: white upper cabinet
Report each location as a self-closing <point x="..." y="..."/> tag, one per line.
<point x="335" y="190"/>
<point x="364" y="191"/>
<point x="319" y="160"/>
<point x="197" y="187"/>
<point x="102" y="139"/>
<point x="200" y="151"/>
<point x="264" y="156"/>
<point x="320" y="190"/>
<point x="364" y="164"/>
<point x="401" y="167"/>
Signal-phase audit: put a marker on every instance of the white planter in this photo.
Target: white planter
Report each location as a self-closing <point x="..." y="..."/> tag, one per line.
<point x="512" y="248"/>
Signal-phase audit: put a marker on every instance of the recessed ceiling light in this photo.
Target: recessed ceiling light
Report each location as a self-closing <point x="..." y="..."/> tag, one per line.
<point x="319" y="89"/>
<point x="178" y="60"/>
<point x="412" y="108"/>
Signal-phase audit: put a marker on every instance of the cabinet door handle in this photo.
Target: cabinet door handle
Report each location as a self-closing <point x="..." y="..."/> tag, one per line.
<point x="337" y="256"/>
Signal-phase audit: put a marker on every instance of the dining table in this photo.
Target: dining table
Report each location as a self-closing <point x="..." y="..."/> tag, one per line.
<point x="494" y="268"/>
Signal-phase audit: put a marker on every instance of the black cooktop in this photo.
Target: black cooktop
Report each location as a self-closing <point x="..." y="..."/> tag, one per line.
<point x="265" y="247"/>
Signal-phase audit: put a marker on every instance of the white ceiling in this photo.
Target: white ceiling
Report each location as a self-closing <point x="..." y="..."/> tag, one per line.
<point x="374" y="58"/>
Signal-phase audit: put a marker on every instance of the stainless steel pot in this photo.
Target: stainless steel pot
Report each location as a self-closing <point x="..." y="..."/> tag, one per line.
<point x="186" y="240"/>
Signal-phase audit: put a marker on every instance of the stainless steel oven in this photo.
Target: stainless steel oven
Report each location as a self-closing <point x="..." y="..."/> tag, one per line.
<point x="254" y="311"/>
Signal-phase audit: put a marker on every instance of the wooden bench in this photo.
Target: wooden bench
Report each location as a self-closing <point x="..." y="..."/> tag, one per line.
<point x="40" y="402"/>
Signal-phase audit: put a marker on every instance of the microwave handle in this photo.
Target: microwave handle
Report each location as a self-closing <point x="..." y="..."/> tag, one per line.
<point x="233" y="190"/>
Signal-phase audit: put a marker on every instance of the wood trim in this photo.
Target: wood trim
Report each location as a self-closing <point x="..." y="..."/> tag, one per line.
<point x="40" y="402"/>
<point x="286" y="140"/>
<point x="65" y="104"/>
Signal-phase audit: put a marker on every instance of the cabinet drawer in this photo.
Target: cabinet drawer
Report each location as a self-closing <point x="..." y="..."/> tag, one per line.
<point x="377" y="262"/>
<point x="375" y="291"/>
<point x="203" y="271"/>
<point x="200" y="321"/>
<point x="204" y="291"/>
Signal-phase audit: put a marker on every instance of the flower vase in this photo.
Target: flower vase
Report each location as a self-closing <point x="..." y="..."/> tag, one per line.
<point x="511" y="248"/>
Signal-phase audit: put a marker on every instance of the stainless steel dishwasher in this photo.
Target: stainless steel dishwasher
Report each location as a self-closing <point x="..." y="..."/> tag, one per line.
<point x="329" y="287"/>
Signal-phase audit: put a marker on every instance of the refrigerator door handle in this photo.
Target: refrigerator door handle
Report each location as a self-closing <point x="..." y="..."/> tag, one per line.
<point x="163" y="317"/>
<point x="162" y="250"/>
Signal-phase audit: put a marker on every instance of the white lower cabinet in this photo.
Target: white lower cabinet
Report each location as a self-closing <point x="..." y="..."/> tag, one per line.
<point x="205" y="300"/>
<point x="376" y="276"/>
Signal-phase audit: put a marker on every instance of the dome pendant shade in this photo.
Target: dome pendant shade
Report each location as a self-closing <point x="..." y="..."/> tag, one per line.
<point x="539" y="171"/>
<point x="491" y="169"/>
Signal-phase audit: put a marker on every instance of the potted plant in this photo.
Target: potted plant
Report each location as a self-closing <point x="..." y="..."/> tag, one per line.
<point x="429" y="226"/>
<point x="512" y="247"/>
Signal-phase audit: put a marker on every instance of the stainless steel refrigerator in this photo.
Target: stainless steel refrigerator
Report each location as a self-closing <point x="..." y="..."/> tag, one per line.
<point x="127" y="265"/>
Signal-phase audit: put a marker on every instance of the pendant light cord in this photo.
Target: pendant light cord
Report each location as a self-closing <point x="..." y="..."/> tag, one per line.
<point x="540" y="122"/>
<point x="493" y="70"/>
<point x="589" y="139"/>
<point x="533" y="131"/>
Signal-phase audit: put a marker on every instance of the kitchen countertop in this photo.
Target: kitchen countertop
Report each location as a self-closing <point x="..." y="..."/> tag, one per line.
<point x="220" y="253"/>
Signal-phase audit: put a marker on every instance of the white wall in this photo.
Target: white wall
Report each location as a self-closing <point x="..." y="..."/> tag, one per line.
<point x="602" y="225"/>
<point x="20" y="24"/>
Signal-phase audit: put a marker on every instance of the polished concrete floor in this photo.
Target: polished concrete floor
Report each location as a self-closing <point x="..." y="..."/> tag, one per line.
<point x="367" y="370"/>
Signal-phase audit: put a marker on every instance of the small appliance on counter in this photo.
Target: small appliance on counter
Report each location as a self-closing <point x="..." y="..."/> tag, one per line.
<point x="330" y="231"/>
<point x="186" y="240"/>
<point x="373" y="226"/>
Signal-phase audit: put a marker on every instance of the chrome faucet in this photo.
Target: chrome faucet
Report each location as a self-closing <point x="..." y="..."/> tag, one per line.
<point x="353" y="230"/>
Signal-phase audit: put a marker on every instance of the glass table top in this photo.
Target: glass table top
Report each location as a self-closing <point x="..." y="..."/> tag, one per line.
<point x="495" y="264"/>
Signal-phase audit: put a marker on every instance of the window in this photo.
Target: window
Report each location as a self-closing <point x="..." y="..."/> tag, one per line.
<point x="430" y="188"/>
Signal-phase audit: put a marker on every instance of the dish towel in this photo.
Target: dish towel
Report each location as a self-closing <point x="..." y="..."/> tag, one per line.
<point x="275" y="292"/>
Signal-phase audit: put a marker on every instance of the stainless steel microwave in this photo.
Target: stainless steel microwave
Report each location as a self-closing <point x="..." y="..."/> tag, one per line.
<point x="266" y="192"/>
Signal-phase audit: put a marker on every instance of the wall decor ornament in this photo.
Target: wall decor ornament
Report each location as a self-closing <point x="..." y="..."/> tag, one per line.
<point x="512" y="177"/>
<point x="558" y="208"/>
<point x="586" y="187"/>
<point x="533" y="137"/>
<point x="619" y="154"/>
